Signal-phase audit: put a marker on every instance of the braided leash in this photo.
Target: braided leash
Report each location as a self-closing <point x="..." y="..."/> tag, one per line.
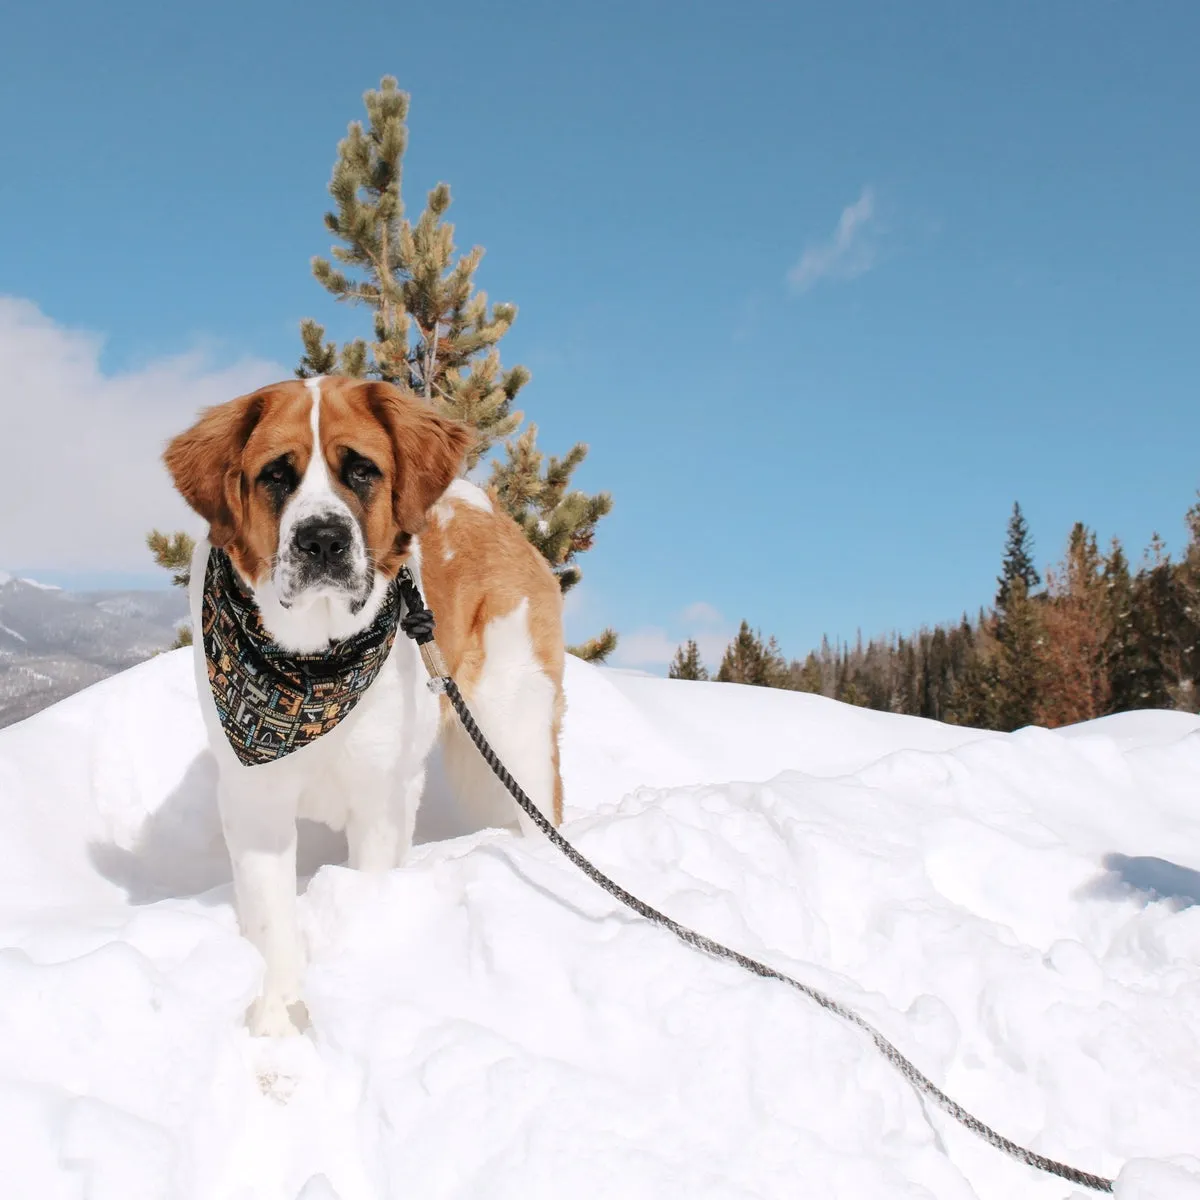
<point x="418" y="624"/>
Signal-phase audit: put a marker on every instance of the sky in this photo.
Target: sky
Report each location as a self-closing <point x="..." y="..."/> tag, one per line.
<point x="824" y="287"/>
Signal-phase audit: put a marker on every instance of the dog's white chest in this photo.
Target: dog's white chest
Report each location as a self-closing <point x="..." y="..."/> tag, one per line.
<point x="386" y="738"/>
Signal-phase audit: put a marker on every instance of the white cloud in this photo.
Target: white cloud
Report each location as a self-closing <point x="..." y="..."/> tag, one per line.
<point x="700" y="613"/>
<point x="653" y="646"/>
<point x="648" y="646"/>
<point x="83" y="479"/>
<point x="850" y="252"/>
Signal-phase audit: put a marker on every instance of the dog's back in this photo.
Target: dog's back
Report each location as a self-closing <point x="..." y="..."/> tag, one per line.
<point x="498" y="608"/>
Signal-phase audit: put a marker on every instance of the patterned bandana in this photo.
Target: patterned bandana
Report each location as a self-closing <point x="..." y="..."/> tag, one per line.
<point x="270" y="700"/>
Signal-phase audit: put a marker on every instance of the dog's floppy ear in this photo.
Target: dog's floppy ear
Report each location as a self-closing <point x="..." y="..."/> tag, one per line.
<point x="428" y="448"/>
<point x="205" y="463"/>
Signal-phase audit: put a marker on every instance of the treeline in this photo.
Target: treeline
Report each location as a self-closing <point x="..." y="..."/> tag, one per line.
<point x="1096" y="638"/>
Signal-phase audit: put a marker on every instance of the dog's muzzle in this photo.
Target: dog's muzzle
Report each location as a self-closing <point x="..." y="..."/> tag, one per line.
<point x="324" y="553"/>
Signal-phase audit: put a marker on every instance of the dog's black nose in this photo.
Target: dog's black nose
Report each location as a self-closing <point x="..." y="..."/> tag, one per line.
<point x="322" y="542"/>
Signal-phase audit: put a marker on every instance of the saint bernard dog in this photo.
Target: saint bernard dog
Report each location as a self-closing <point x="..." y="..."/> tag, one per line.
<point x="316" y="493"/>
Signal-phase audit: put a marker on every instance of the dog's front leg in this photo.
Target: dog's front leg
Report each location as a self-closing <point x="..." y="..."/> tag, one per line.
<point x="379" y="825"/>
<point x="260" y="832"/>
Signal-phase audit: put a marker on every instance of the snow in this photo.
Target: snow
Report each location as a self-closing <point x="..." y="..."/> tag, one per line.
<point x="1020" y="914"/>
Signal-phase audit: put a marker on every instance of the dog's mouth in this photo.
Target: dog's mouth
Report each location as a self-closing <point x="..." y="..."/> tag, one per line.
<point x="297" y="589"/>
<point x="324" y="560"/>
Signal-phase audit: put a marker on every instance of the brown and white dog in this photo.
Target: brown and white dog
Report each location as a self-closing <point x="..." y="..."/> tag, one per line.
<point x="319" y="491"/>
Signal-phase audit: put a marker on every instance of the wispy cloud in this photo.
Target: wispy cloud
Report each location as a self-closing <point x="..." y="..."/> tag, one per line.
<point x="650" y="646"/>
<point x="850" y="252"/>
<point x="655" y="646"/>
<point x="84" y="480"/>
<point x="701" y="613"/>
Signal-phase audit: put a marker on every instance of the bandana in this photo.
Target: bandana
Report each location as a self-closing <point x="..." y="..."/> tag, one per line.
<point x="270" y="700"/>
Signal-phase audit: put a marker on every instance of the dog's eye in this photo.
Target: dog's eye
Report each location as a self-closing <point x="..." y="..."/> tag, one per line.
<point x="278" y="475"/>
<point x="359" y="471"/>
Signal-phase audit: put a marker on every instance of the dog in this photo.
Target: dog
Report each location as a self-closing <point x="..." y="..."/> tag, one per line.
<point x="317" y="493"/>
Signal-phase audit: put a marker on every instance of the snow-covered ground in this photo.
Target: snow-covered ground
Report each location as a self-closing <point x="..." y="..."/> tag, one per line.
<point x="1019" y="914"/>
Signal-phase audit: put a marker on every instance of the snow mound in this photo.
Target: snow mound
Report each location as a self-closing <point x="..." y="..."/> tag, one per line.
<point x="1020" y="914"/>
<point x="1141" y="1180"/>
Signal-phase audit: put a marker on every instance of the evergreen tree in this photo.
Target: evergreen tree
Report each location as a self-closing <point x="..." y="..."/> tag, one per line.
<point x="433" y="333"/>
<point x="749" y="660"/>
<point x="1020" y="668"/>
<point x="1018" y="560"/>
<point x="807" y="678"/>
<point x="1186" y="692"/>
<point x="559" y="522"/>
<point x="1166" y="604"/>
<point x="174" y="554"/>
<point x="686" y="664"/>
<point x="597" y="649"/>
<point x="852" y="693"/>
<point x="976" y="695"/>
<point x="437" y="336"/>
<point x="1077" y="684"/>
<point x="1122" y="651"/>
<point x="1154" y="623"/>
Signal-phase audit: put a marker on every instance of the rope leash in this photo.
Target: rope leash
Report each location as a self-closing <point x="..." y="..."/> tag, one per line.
<point x="418" y="623"/>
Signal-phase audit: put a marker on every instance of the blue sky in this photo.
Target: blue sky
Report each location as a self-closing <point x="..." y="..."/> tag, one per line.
<point x="826" y="288"/>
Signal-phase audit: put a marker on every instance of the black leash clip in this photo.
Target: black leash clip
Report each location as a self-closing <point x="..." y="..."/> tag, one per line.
<point x="417" y="621"/>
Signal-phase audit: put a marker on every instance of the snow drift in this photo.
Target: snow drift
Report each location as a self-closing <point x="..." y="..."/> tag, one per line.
<point x="1019" y="914"/>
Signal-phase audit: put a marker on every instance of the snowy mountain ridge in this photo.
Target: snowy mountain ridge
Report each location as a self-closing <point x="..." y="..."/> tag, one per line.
<point x="54" y="642"/>
<point x="1019" y="913"/>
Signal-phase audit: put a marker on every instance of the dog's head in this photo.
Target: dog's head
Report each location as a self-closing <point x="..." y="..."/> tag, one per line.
<point x="316" y="488"/>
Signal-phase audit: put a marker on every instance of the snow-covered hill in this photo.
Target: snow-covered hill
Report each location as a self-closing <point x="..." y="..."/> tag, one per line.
<point x="1020" y="914"/>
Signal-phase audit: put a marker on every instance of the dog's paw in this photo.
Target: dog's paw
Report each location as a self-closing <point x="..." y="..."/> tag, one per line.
<point x="273" y="1016"/>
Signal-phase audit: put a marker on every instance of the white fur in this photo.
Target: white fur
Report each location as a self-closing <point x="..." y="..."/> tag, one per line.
<point x="367" y="774"/>
<point x="468" y="493"/>
<point x="463" y="492"/>
<point x="310" y="621"/>
<point x="512" y="682"/>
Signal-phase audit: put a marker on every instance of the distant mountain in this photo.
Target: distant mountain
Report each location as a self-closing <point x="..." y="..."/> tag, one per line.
<point x="54" y="642"/>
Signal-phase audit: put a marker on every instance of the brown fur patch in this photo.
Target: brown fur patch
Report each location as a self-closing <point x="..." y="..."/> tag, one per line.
<point x="478" y="566"/>
<point x="205" y="462"/>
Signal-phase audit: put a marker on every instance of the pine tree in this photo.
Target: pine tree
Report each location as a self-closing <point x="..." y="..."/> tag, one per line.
<point x="1186" y="692"/>
<point x="749" y="660"/>
<point x="1154" y="621"/>
<point x="436" y="335"/>
<point x="1018" y="560"/>
<point x="1021" y="667"/>
<point x="1122" y="651"/>
<point x="852" y="693"/>
<point x="560" y="523"/>
<point x="433" y="333"/>
<point x="807" y="677"/>
<point x="174" y="554"/>
<point x="597" y="649"/>
<point x="1076" y="685"/>
<point x="975" y="700"/>
<point x="1166" y="629"/>
<point x="686" y="664"/>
